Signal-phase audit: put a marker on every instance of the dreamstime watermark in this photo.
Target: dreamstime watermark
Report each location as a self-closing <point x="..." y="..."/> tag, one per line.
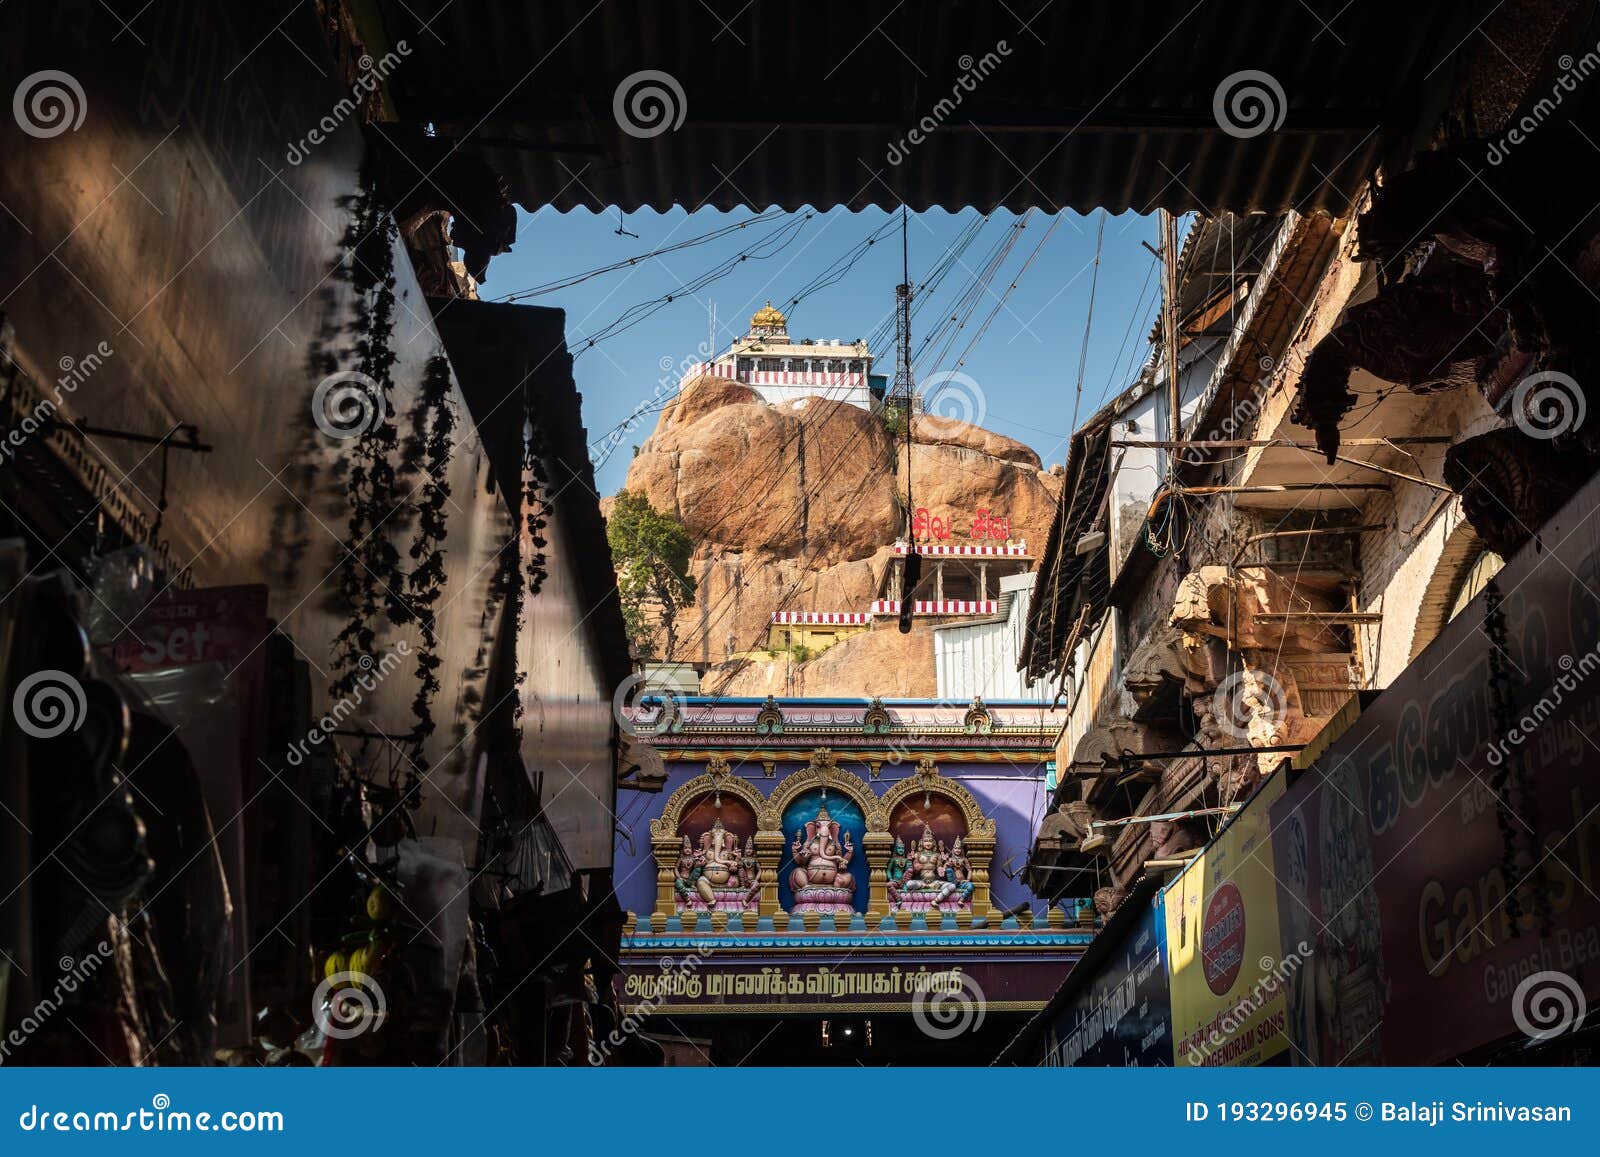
<point x="372" y="75"/>
<point x="160" y="1117"/>
<point x="630" y="712"/>
<point x="903" y="748"/>
<point x="952" y="397"/>
<point x="675" y="979"/>
<point x="49" y="703"/>
<point x="1548" y="1004"/>
<point x="373" y="672"/>
<point x="74" y="372"/>
<point x="1249" y="700"/>
<point x="1249" y="103"/>
<point x="1239" y="418"/>
<point x="1572" y="72"/>
<point x="972" y="72"/>
<point x="74" y="974"/>
<point x="1217" y="1041"/>
<point x="948" y="1004"/>
<point x="673" y="371"/>
<point x="49" y="103"/>
<point x="1575" y="671"/>
<point x="648" y="103"/>
<point x="1546" y="405"/>
<point x="348" y="404"/>
<point x="348" y="1004"/>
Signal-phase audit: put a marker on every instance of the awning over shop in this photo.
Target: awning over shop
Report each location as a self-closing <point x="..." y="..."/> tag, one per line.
<point x="1036" y="104"/>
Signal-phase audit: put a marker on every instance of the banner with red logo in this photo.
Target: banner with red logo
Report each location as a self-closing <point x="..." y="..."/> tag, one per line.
<point x="1228" y="974"/>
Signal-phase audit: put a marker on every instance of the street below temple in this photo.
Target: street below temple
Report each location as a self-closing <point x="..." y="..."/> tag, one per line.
<point x="888" y="535"/>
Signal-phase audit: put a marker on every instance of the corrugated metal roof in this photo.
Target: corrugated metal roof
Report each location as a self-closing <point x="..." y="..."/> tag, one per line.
<point x="1072" y="586"/>
<point x="1081" y="106"/>
<point x="981" y="658"/>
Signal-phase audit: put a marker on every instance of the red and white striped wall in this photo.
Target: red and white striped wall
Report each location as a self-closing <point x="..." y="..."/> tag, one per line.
<point x="851" y="381"/>
<point x="939" y="607"/>
<point x="805" y="378"/>
<point x="822" y="618"/>
<point x="703" y="369"/>
<point x="931" y="550"/>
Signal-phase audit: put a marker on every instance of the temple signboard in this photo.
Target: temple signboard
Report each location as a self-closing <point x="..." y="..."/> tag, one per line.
<point x="1441" y="858"/>
<point x="704" y="985"/>
<point x="985" y="525"/>
<point x="1122" y="1016"/>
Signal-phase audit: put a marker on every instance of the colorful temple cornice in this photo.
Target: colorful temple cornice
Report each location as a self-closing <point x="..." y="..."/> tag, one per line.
<point x="841" y="855"/>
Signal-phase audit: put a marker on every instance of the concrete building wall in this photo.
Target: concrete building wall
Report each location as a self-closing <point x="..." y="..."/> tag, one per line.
<point x="1412" y="569"/>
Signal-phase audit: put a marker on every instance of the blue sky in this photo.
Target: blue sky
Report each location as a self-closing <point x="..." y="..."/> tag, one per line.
<point x="1025" y="363"/>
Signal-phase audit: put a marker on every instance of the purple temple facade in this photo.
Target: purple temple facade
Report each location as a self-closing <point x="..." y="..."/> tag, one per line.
<point x="842" y="808"/>
<point x="838" y="857"/>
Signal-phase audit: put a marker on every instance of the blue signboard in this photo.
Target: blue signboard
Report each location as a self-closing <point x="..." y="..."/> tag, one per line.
<point x="1122" y="1015"/>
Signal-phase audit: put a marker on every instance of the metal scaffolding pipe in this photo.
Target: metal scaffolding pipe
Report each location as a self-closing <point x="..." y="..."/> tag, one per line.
<point x="1192" y="813"/>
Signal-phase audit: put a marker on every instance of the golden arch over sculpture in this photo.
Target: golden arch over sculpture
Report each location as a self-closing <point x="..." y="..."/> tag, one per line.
<point x="666" y="845"/>
<point x="824" y="772"/>
<point x="716" y="778"/>
<point x="927" y="779"/>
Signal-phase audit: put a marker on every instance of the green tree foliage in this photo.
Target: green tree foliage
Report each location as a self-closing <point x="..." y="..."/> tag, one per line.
<point x="650" y="551"/>
<point x="893" y="416"/>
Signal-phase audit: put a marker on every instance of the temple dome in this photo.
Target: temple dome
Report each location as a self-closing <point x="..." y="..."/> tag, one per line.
<point x="768" y="318"/>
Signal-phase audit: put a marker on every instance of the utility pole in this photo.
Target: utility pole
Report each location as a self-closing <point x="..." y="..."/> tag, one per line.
<point x="905" y="386"/>
<point x="904" y="379"/>
<point x="1169" y="326"/>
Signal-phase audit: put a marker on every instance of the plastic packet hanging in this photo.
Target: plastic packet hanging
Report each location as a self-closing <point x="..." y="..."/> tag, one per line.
<point x="124" y="581"/>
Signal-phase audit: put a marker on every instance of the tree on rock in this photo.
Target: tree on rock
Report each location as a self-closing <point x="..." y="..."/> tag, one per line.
<point x="650" y="551"/>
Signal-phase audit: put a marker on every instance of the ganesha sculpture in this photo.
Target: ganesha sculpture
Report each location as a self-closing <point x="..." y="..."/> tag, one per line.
<point x="821" y="880"/>
<point x="715" y="876"/>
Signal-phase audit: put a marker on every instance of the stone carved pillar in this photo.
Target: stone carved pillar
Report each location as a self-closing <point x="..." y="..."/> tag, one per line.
<point x="666" y="851"/>
<point x="769" y="850"/>
<point x="980" y="851"/>
<point x="877" y="846"/>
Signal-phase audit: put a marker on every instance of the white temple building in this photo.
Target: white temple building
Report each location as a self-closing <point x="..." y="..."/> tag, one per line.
<point x="780" y="368"/>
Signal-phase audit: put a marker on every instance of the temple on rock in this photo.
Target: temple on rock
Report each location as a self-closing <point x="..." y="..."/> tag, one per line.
<point x="780" y="368"/>
<point x="838" y="879"/>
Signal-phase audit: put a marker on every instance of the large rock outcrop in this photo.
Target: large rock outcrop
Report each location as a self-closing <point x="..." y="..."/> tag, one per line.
<point x="880" y="662"/>
<point x="796" y="506"/>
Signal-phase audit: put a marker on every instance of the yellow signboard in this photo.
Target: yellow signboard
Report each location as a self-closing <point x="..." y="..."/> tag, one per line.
<point x="1228" y="980"/>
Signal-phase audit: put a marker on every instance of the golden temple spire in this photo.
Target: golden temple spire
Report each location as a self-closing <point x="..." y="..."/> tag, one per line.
<point x="768" y="320"/>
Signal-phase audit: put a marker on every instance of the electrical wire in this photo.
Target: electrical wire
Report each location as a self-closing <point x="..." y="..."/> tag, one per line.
<point x="1088" y="322"/>
<point x="636" y="314"/>
<point x="628" y="263"/>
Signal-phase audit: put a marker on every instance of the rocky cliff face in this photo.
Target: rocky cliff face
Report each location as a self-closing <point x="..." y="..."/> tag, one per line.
<point x="794" y="507"/>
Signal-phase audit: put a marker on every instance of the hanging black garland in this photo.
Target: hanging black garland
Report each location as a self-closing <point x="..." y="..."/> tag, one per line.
<point x="427" y="449"/>
<point x="537" y="505"/>
<point x="368" y="245"/>
<point x="475" y="676"/>
<point x="507" y="587"/>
